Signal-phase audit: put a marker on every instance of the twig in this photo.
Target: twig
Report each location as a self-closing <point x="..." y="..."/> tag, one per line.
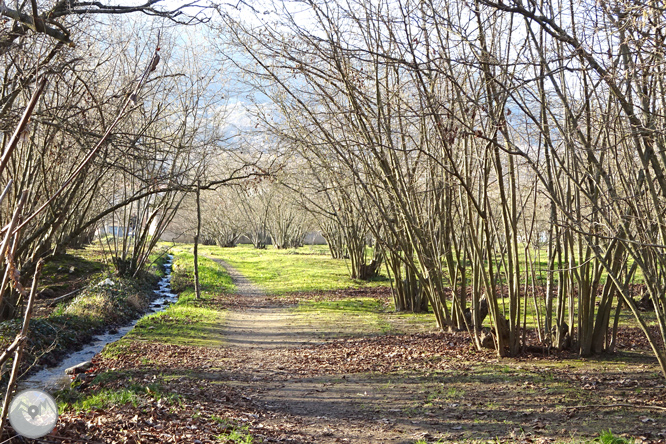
<point x="59" y="299"/>
<point x="11" y="348"/>
<point x="637" y="406"/>
<point x="12" y="224"/>
<point x="23" y="123"/>
<point x="99" y="144"/>
<point x="4" y="193"/>
<point x="10" y="254"/>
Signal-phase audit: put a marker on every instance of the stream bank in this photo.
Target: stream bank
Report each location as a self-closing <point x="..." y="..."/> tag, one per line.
<point x="75" y="331"/>
<point x="54" y="377"/>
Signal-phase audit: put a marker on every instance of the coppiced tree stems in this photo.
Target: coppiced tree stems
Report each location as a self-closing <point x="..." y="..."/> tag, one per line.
<point x="467" y="142"/>
<point x="20" y="342"/>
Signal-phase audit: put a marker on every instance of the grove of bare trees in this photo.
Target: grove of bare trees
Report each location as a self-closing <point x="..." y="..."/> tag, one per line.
<point x="468" y="136"/>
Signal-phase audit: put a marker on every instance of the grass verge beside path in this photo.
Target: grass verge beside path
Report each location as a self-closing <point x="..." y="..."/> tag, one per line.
<point x="189" y="321"/>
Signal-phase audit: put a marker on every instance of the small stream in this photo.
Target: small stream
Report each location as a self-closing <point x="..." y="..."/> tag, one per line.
<point x="54" y="378"/>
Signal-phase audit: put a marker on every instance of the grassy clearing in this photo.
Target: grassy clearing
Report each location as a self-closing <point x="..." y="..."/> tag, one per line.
<point x="470" y="399"/>
<point x="310" y="268"/>
<point x="307" y="269"/>
<point x="343" y="318"/>
<point x="304" y="269"/>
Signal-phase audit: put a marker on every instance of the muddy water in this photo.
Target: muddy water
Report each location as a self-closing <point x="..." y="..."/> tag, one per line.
<point x="54" y="378"/>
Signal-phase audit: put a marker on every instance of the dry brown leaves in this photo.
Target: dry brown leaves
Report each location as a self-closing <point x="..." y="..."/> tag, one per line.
<point x="137" y="355"/>
<point x="381" y="354"/>
<point x="204" y="413"/>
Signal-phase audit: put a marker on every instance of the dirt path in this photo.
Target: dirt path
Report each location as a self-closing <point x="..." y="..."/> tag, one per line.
<point x="262" y="325"/>
<point x="329" y="409"/>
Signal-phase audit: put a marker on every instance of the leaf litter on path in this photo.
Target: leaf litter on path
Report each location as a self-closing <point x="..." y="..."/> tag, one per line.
<point x="390" y="388"/>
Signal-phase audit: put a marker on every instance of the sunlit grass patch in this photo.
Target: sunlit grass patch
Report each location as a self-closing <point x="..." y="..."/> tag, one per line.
<point x="103" y="399"/>
<point x="358" y="317"/>
<point x="134" y="394"/>
<point x="304" y="269"/>
<point x="336" y="321"/>
<point x="189" y="321"/>
<point x="352" y="305"/>
<point x="213" y="278"/>
<point x="181" y="324"/>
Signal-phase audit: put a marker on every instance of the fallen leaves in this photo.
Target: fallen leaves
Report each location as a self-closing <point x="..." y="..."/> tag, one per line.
<point x="203" y="412"/>
<point x="208" y="393"/>
<point x="381" y="354"/>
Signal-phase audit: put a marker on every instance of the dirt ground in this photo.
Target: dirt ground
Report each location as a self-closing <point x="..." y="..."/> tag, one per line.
<point x="279" y="381"/>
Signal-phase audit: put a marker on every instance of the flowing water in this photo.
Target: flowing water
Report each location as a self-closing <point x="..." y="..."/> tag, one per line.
<point x="54" y="378"/>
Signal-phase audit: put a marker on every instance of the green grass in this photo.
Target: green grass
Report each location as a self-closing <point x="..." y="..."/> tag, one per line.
<point x="181" y="324"/>
<point x="310" y="269"/>
<point x="342" y="318"/>
<point x="105" y="398"/>
<point x="212" y="277"/>
<point x="236" y="435"/>
<point x="134" y="394"/>
<point x="358" y="317"/>
<point x="607" y="437"/>
<point x="189" y="321"/>
<point x="304" y="269"/>
<point x="352" y="305"/>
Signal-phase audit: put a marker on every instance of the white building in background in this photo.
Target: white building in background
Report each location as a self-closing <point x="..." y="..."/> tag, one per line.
<point x="113" y="230"/>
